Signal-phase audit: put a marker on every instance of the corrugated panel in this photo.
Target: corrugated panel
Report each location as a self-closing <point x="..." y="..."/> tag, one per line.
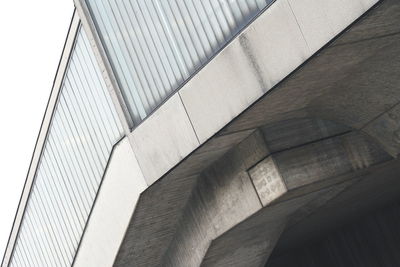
<point x="83" y="130"/>
<point x="155" y="45"/>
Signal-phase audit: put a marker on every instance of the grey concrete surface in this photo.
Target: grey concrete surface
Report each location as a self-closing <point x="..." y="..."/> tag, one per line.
<point x="386" y="129"/>
<point x="372" y="240"/>
<point x="164" y="139"/>
<point x="263" y="54"/>
<point x="260" y="57"/>
<point x="376" y="190"/>
<point x="311" y="169"/>
<point x="333" y="166"/>
<point x="340" y="82"/>
<point x="122" y="184"/>
<point x="157" y="214"/>
<point x="223" y="196"/>
<point x="320" y="20"/>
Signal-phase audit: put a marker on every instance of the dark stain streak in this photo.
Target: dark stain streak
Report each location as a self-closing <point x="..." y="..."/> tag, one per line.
<point x="248" y="51"/>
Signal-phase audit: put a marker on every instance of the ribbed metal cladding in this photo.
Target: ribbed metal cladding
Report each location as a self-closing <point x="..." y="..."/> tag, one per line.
<point x="154" y="46"/>
<point x="83" y="130"/>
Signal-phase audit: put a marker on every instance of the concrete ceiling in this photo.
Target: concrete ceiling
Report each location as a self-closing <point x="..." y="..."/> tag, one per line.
<point x="352" y="82"/>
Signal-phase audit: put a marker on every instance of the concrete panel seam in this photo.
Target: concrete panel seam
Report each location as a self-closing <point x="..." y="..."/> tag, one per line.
<point x="131" y="146"/>
<point x="190" y="120"/>
<point x="298" y="25"/>
<point x="255" y="189"/>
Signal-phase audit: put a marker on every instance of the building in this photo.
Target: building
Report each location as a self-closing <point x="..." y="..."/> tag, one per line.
<point x="218" y="133"/>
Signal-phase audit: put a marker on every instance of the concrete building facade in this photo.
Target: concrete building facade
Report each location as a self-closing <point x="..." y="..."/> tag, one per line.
<point x="218" y="133"/>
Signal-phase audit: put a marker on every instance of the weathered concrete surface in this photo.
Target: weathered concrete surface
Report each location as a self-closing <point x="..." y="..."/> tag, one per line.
<point x="347" y="85"/>
<point x="291" y="184"/>
<point x="223" y="221"/>
<point x="157" y="214"/>
<point x="223" y="197"/>
<point x="315" y="163"/>
<point x="368" y="237"/>
<point x="248" y="67"/>
<point x="352" y="81"/>
<point x="164" y="140"/>
<point x="272" y="46"/>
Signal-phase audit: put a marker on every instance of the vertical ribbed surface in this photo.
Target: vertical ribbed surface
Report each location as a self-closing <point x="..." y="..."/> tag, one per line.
<point x="83" y="130"/>
<point x="155" y="45"/>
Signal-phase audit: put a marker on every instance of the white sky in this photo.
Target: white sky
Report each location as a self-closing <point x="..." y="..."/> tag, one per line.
<point x="32" y="35"/>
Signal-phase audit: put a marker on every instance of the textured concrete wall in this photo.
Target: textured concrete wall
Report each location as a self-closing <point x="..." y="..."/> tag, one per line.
<point x="188" y="217"/>
<point x="241" y="203"/>
<point x="370" y="241"/>
<point x="177" y="224"/>
<point x="283" y="37"/>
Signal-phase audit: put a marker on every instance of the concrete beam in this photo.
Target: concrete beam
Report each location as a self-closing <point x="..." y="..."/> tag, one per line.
<point x="223" y="197"/>
<point x="314" y="164"/>
<point x="290" y="184"/>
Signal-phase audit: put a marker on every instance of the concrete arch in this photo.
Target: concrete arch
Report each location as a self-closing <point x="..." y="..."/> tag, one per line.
<point x="228" y="202"/>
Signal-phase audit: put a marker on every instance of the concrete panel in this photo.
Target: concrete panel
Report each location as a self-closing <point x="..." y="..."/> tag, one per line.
<point x="314" y="166"/>
<point x="123" y="182"/>
<point x="367" y="4"/>
<point x="320" y="21"/>
<point x="164" y="139"/>
<point x="219" y="92"/>
<point x="314" y="24"/>
<point x="276" y="43"/>
<point x="267" y="181"/>
<point x="328" y="158"/>
<point x="209" y="153"/>
<point x="341" y="13"/>
<point x="267" y="51"/>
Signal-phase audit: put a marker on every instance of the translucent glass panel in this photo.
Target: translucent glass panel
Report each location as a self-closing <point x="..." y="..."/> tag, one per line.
<point x="83" y="131"/>
<point x="155" y="45"/>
